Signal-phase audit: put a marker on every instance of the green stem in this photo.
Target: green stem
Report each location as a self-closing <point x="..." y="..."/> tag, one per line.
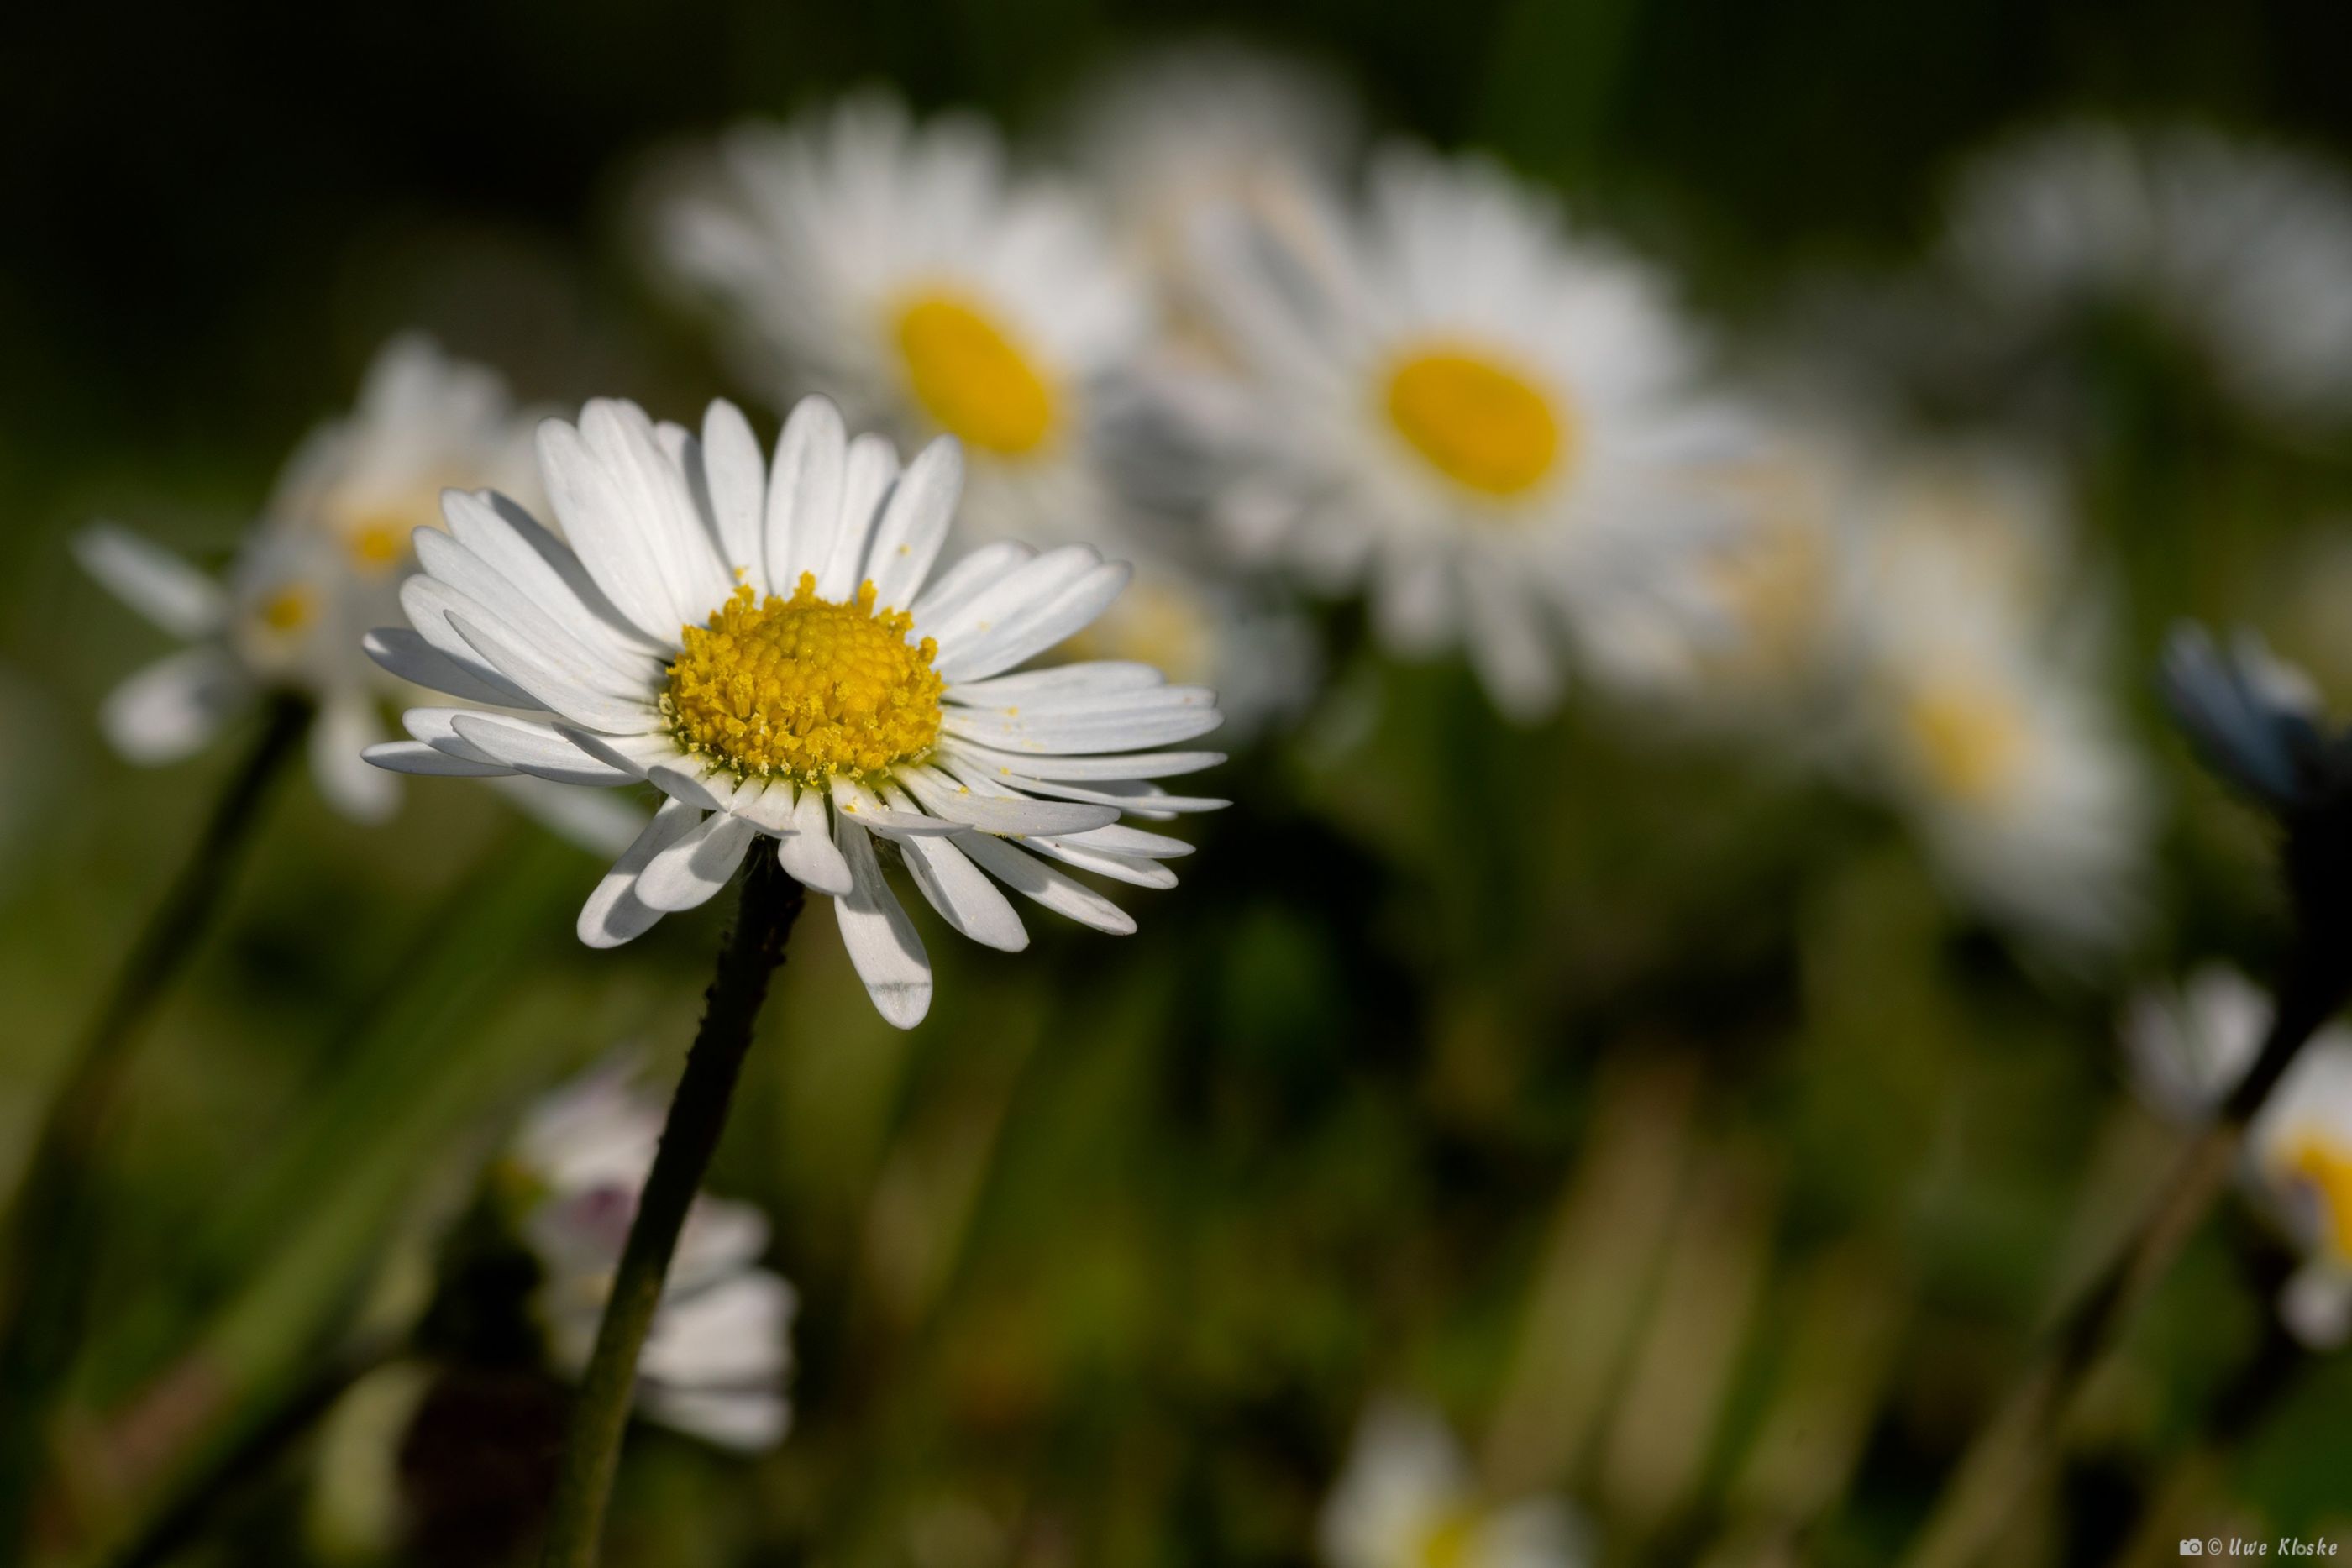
<point x="2011" y="1450"/>
<point x="198" y="1500"/>
<point x="769" y="904"/>
<point x="45" y="1290"/>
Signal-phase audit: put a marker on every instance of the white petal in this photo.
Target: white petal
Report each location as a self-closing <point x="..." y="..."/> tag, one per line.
<point x="809" y="855"/>
<point x="882" y="946"/>
<point x="406" y="656"/>
<point x="152" y="580"/>
<point x="1097" y="677"/>
<point x="661" y="507"/>
<point x="174" y="707"/>
<point x="689" y="871"/>
<point x="998" y="812"/>
<point x="638" y="754"/>
<point x="1119" y="868"/>
<point x="695" y="779"/>
<point x="866" y="477"/>
<point x="915" y="524"/>
<point x="1123" y="729"/>
<point x="598" y="663"/>
<point x="613" y="914"/>
<point x="1118" y="838"/>
<point x="745" y="1420"/>
<point x="966" y="579"/>
<point x="1057" y="890"/>
<point x="1024" y="636"/>
<point x="1134" y="796"/>
<point x="612" y="544"/>
<point x="539" y="749"/>
<point x="427" y="760"/>
<point x="340" y="737"/>
<point x="1010" y="601"/>
<point x="1507" y="646"/>
<point x="428" y="604"/>
<point x="850" y="798"/>
<point x="737" y="489"/>
<point x="770" y="804"/>
<point x="543" y="567"/>
<point x="987" y="760"/>
<point x="805" y="492"/>
<point x="551" y="684"/>
<point x="964" y="898"/>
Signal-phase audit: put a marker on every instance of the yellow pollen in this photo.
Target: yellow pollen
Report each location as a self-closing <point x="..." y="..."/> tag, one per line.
<point x="1485" y="427"/>
<point x="379" y="541"/>
<point x="289" y="610"/>
<point x="972" y="378"/>
<point x="2325" y="1165"/>
<point x="805" y="686"/>
<point x="1970" y="739"/>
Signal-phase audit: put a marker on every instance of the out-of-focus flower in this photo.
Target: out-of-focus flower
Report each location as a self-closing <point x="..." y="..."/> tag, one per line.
<point x="1407" y="1500"/>
<point x="323" y="564"/>
<point x="770" y="651"/>
<point x="1976" y="709"/>
<point x="1451" y="401"/>
<point x="720" y="1352"/>
<point x="2300" y="1149"/>
<point x="900" y="267"/>
<point x="1210" y="124"/>
<point x="2188" y="1047"/>
<point x="2239" y="247"/>
<point x="1256" y="652"/>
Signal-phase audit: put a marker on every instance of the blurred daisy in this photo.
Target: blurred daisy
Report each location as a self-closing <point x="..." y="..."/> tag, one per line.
<point x="1451" y="401"/>
<point x="1257" y="653"/>
<point x="2300" y="1151"/>
<point x="899" y="268"/>
<point x="716" y="1359"/>
<point x="2189" y="1046"/>
<point x="770" y="649"/>
<point x="1981" y="721"/>
<point x="2238" y="247"/>
<point x="322" y="565"/>
<point x="1175" y="133"/>
<point x="1407" y="1500"/>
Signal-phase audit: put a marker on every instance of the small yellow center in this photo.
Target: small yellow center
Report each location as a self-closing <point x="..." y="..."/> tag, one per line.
<point x="1484" y="426"/>
<point x="1970" y="739"/>
<point x="289" y="610"/>
<point x="805" y="686"/>
<point x="972" y="378"/>
<point x="379" y="542"/>
<point x="2324" y="1164"/>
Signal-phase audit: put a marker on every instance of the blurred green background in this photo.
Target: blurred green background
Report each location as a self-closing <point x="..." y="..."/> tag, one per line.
<point x="1677" y="1141"/>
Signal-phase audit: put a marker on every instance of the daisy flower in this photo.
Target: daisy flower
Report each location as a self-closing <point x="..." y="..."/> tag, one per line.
<point x="1983" y="724"/>
<point x="900" y="267"/>
<point x="1450" y="398"/>
<point x="715" y="1362"/>
<point x="2238" y="247"/>
<point x="323" y="564"/>
<point x="1407" y="1500"/>
<point x="768" y="646"/>
<point x="2300" y="1159"/>
<point x="2189" y="1046"/>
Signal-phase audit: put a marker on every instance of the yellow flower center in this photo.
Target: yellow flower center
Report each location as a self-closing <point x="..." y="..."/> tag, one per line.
<point x="972" y="378"/>
<point x="1484" y="426"/>
<point x="2324" y="1164"/>
<point x="805" y="686"/>
<point x="379" y="541"/>
<point x="1970" y="738"/>
<point x="1448" y="1542"/>
<point x="289" y="610"/>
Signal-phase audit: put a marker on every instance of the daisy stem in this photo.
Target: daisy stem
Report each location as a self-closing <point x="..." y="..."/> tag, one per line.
<point x="45" y="1275"/>
<point x="2009" y="1451"/>
<point x="765" y="912"/>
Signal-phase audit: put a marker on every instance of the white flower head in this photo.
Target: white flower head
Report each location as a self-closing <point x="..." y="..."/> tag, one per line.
<point x="1978" y="711"/>
<point x="716" y="1361"/>
<point x="323" y="564"/>
<point x="770" y="648"/>
<point x="2300" y="1160"/>
<point x="1407" y="1500"/>
<point x="900" y="267"/>
<point x="1447" y="398"/>
<point x="2188" y="1047"/>
<point x="2239" y="248"/>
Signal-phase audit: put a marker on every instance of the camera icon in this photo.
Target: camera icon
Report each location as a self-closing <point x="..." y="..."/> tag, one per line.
<point x="2192" y="1548"/>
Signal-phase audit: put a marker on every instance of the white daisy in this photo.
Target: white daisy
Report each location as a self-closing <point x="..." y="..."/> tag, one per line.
<point x="900" y="267"/>
<point x="716" y="1361"/>
<point x="2189" y="1046"/>
<point x="761" y="646"/>
<point x="1977" y="711"/>
<point x="2300" y="1156"/>
<point x="322" y="565"/>
<point x="1450" y="398"/>
<point x="1407" y="1500"/>
<point x="2240" y="248"/>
